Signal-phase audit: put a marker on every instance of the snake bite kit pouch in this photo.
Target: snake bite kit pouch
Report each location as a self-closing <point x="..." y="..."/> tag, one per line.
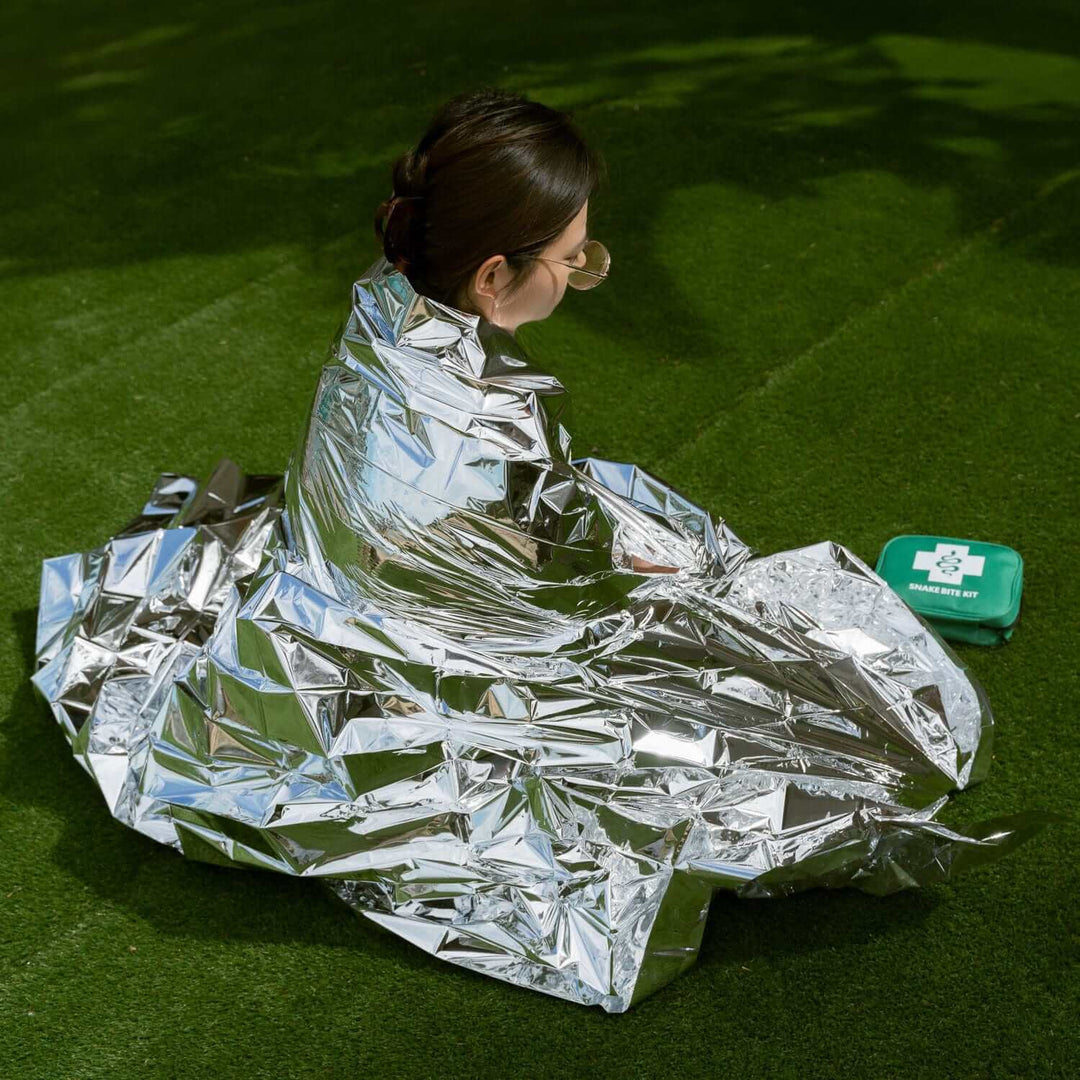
<point x="969" y="590"/>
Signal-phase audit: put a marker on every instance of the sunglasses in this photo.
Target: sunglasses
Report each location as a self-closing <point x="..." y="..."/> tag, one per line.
<point x="597" y="261"/>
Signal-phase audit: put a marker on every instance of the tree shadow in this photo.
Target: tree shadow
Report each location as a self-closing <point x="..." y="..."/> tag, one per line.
<point x="217" y="132"/>
<point x="148" y="134"/>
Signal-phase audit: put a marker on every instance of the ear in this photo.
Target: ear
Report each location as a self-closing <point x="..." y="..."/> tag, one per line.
<point x="486" y="278"/>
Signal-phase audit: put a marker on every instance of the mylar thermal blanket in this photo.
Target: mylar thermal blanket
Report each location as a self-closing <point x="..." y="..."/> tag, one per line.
<point x="424" y="664"/>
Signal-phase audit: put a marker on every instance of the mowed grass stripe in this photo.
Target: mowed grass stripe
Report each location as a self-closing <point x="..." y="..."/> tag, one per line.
<point x="58" y="324"/>
<point x="859" y="319"/>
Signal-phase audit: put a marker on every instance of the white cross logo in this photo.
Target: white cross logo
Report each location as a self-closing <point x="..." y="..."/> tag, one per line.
<point x="949" y="563"/>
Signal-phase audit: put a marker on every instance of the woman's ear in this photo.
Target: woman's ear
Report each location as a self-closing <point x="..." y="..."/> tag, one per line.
<point x="485" y="280"/>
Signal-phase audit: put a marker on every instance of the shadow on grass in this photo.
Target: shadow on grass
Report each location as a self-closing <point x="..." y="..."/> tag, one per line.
<point x="233" y="130"/>
<point x="188" y="899"/>
<point x="160" y="131"/>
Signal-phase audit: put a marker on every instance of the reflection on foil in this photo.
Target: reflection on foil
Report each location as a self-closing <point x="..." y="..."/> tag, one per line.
<point x="424" y="666"/>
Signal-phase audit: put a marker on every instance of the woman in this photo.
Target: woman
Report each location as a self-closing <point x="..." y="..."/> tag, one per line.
<point x="525" y="710"/>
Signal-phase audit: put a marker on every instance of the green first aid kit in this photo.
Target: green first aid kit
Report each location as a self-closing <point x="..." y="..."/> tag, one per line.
<point x="967" y="590"/>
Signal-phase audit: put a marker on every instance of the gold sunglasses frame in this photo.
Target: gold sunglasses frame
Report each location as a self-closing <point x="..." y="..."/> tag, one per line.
<point x="600" y="275"/>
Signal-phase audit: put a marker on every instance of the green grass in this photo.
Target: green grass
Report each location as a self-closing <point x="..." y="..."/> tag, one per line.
<point x="844" y="304"/>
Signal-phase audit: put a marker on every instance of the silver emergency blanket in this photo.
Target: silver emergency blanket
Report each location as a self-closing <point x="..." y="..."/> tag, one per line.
<point x="423" y="666"/>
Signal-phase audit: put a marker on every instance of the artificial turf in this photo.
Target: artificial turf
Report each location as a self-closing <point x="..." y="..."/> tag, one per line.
<point x="844" y="304"/>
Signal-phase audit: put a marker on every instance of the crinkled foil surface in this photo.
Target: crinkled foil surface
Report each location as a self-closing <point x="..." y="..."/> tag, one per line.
<point x="421" y="666"/>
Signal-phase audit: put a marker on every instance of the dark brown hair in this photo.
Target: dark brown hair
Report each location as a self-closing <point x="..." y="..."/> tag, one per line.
<point x="494" y="174"/>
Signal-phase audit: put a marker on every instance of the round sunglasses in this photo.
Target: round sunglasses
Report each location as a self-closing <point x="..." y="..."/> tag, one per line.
<point x="597" y="261"/>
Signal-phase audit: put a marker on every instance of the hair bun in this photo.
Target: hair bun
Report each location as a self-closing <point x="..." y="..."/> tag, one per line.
<point x="397" y="222"/>
<point x="396" y="227"/>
